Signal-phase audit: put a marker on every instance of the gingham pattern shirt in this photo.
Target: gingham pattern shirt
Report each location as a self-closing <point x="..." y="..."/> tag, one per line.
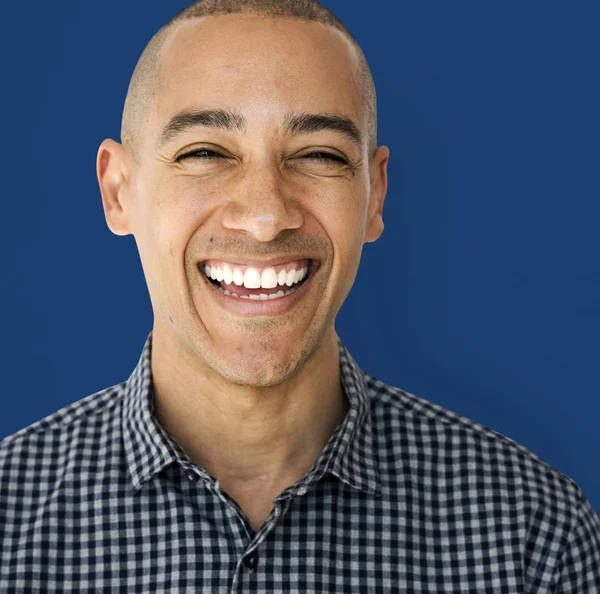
<point x="406" y="496"/>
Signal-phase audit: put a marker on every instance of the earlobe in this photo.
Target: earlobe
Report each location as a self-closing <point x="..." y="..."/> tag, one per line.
<point x="374" y="230"/>
<point x="112" y="178"/>
<point x="378" y="173"/>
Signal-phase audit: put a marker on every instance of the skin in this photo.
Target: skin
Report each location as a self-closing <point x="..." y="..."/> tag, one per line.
<point x="252" y="400"/>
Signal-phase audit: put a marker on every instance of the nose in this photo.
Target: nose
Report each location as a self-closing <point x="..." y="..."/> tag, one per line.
<point x="261" y="203"/>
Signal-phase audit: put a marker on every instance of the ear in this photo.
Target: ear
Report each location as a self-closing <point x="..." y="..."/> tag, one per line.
<point x="378" y="174"/>
<point x="113" y="171"/>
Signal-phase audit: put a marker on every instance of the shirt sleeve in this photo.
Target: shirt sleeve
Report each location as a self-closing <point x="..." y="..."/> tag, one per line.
<point x="579" y="568"/>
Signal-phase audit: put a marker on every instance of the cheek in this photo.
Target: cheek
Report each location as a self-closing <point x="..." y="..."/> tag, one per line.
<point x="177" y="214"/>
<point x="343" y="220"/>
<point x="346" y="226"/>
<point x="186" y="205"/>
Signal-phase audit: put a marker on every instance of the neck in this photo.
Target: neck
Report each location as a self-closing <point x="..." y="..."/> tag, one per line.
<point x="245" y="436"/>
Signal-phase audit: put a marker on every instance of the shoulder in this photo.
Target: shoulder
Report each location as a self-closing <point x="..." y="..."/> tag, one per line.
<point x="58" y="434"/>
<point x="438" y="462"/>
<point x="459" y="446"/>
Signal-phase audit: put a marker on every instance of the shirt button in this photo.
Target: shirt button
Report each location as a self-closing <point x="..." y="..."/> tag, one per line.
<point x="192" y="476"/>
<point x="251" y="561"/>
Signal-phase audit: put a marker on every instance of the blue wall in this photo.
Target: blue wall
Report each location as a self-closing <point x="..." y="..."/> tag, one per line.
<point x="491" y="306"/>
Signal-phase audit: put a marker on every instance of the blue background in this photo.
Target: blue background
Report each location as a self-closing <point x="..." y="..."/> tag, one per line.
<point x="490" y="306"/>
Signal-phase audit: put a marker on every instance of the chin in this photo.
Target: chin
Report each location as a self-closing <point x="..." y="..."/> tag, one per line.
<point x="260" y="373"/>
<point x="259" y="364"/>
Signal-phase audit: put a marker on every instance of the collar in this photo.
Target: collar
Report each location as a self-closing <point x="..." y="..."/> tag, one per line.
<point x="349" y="454"/>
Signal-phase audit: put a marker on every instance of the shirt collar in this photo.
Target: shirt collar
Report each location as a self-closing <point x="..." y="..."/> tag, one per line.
<point x="349" y="454"/>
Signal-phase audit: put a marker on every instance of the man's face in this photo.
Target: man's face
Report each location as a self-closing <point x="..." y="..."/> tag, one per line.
<point x="254" y="197"/>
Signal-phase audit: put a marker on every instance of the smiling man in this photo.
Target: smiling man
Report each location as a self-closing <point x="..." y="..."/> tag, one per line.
<point x="250" y="204"/>
<point x="247" y="451"/>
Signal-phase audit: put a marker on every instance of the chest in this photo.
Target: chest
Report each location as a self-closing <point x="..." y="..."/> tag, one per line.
<point x="256" y="504"/>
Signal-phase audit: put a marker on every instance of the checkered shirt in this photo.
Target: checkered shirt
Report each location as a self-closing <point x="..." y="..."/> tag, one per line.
<point x="406" y="497"/>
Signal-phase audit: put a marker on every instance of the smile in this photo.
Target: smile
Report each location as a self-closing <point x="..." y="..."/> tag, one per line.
<point x="276" y="288"/>
<point x="251" y="282"/>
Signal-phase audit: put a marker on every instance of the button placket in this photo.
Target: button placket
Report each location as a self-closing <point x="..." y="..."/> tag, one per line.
<point x="251" y="561"/>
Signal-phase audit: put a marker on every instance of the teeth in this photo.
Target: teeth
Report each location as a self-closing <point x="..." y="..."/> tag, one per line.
<point x="268" y="279"/>
<point x="227" y="275"/>
<point x="251" y="278"/>
<point x="291" y="275"/>
<point x="260" y="297"/>
<point x="238" y="277"/>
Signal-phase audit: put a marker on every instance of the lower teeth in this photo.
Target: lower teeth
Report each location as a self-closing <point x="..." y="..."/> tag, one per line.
<point x="262" y="296"/>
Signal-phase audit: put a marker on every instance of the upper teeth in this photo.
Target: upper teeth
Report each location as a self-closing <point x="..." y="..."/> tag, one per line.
<point x="253" y="278"/>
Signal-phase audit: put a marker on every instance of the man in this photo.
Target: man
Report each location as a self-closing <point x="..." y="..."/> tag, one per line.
<point x="248" y="451"/>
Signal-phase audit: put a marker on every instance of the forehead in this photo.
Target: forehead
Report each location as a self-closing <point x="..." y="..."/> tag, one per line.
<point x="262" y="66"/>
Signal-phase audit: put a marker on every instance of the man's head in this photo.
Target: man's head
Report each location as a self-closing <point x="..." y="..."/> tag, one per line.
<point x="284" y="174"/>
<point x="147" y="77"/>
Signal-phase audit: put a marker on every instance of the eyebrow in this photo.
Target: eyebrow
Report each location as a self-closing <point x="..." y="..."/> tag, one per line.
<point x="233" y="120"/>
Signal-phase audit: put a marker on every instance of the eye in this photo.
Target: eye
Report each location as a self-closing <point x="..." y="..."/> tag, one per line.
<point x="203" y="153"/>
<point x="199" y="153"/>
<point x="325" y="157"/>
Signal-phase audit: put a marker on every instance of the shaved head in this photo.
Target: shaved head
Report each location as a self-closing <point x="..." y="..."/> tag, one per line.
<point x="147" y="78"/>
<point x="248" y="138"/>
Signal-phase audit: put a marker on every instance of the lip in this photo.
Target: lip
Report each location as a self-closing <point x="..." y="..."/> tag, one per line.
<point x="297" y="264"/>
<point x="269" y="307"/>
<point x="271" y="262"/>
